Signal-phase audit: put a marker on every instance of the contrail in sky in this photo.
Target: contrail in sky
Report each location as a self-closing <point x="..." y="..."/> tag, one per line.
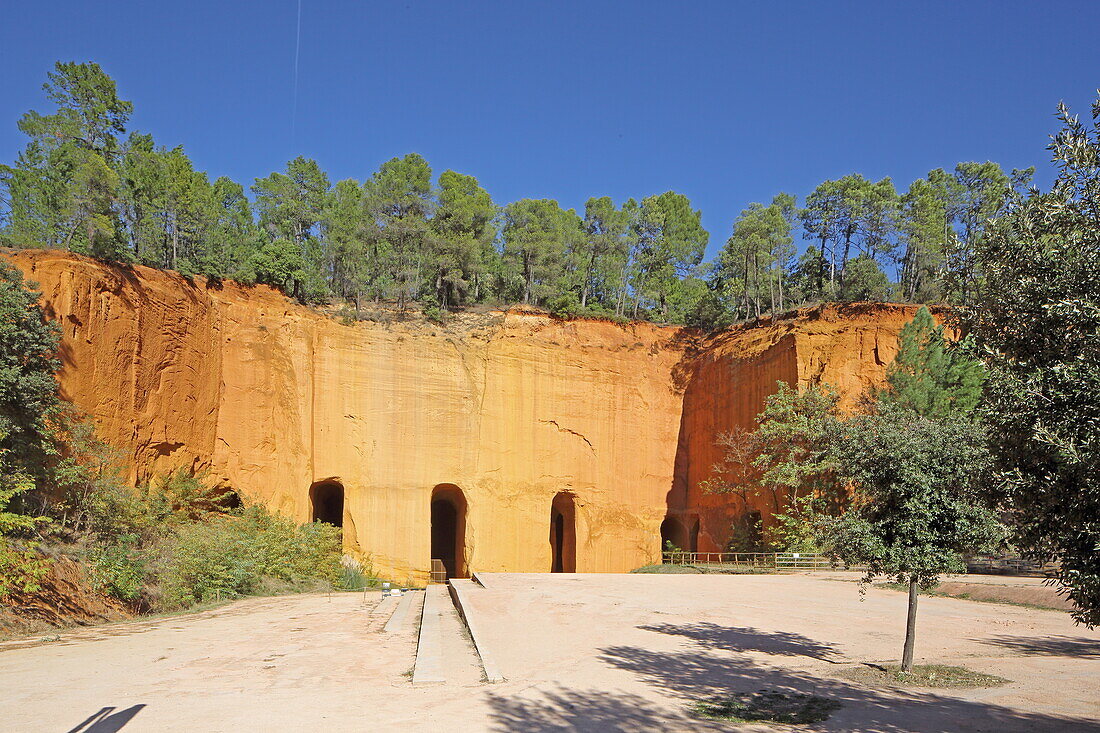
<point x="294" y="109"/>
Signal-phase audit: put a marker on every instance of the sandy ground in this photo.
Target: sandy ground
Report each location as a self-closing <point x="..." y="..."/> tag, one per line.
<point x="580" y="652"/>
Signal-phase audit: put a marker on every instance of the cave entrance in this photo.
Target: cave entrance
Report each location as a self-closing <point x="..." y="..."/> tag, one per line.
<point x="449" y="529"/>
<point x="563" y="534"/>
<point x="327" y="499"/>
<point x="674" y="529"/>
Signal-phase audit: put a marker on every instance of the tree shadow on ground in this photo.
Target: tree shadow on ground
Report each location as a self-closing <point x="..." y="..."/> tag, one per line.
<point x="107" y="721"/>
<point x="747" y="639"/>
<point x="713" y="667"/>
<point x="696" y="675"/>
<point x="581" y="710"/>
<point x="1048" y="646"/>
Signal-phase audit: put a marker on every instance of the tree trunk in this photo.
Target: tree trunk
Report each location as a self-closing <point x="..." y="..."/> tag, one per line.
<point x="526" y="279"/>
<point x="780" y="284"/>
<point x="910" y="627"/>
<point x="847" y="251"/>
<point x="588" y="278"/>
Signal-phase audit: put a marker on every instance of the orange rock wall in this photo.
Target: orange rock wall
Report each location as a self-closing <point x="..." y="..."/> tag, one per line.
<point x="269" y="397"/>
<point x="845" y="346"/>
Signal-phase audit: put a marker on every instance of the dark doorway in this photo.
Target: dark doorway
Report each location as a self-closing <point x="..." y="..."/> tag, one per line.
<point x="449" y="529"/>
<point x="675" y="530"/>
<point x="563" y="534"/>
<point x="327" y="498"/>
<point x="672" y="533"/>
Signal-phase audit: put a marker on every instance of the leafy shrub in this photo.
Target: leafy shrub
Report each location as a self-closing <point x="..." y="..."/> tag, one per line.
<point x="20" y="565"/>
<point x="564" y="305"/>
<point x="228" y="556"/>
<point x="119" y="569"/>
<point x="357" y="575"/>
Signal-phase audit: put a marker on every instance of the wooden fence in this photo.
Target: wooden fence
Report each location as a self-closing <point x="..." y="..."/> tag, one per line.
<point x="750" y="561"/>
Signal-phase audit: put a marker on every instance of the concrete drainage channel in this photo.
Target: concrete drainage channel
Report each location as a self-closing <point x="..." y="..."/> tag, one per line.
<point x="440" y="602"/>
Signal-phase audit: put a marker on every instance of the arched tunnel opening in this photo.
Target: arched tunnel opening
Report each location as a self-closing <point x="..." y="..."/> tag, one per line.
<point x="674" y="531"/>
<point x="563" y="534"/>
<point x="448" y="517"/>
<point x="327" y="500"/>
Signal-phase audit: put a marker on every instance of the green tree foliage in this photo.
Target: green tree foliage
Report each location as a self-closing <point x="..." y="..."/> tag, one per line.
<point x="232" y="234"/>
<point x="28" y="401"/>
<point x="1036" y="319"/>
<point x="397" y="205"/>
<point x="789" y="460"/>
<point x="849" y="214"/>
<point x="20" y="566"/>
<point x="926" y="230"/>
<point x="462" y="233"/>
<point x="603" y="254"/>
<point x="864" y="280"/>
<point x="86" y="183"/>
<point x="669" y="242"/>
<point x="347" y="250"/>
<point x="537" y="235"/>
<point x="291" y="207"/>
<point x="62" y="188"/>
<point x="28" y="388"/>
<point x="750" y="270"/>
<point x="917" y="506"/>
<point x="930" y="375"/>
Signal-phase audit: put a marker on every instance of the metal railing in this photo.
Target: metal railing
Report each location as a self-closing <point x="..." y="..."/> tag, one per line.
<point x="749" y="561"/>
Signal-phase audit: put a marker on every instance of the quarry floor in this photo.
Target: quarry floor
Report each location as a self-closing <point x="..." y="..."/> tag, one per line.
<point x="578" y="652"/>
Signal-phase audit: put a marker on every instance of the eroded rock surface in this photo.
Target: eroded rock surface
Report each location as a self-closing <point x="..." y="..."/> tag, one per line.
<point x="272" y="398"/>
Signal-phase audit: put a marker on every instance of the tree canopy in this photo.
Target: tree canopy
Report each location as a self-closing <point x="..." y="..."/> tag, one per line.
<point x="930" y="375"/>
<point x="88" y="182"/>
<point x="1035" y="318"/>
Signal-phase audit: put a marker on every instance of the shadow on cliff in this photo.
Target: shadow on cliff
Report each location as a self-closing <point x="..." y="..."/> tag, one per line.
<point x="692" y="346"/>
<point x="713" y="665"/>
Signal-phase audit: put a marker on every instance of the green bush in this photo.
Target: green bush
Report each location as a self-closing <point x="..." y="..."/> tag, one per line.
<point x="228" y="556"/>
<point x="21" y="568"/>
<point x="564" y="305"/>
<point x="119" y="569"/>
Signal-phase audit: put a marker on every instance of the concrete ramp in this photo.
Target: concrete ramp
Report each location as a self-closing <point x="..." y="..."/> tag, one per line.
<point x="444" y="651"/>
<point x="460" y="594"/>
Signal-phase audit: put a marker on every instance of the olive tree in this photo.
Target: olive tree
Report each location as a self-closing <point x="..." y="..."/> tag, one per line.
<point x="916" y="504"/>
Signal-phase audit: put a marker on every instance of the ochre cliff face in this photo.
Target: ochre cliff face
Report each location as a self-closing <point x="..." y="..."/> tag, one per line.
<point x="847" y="347"/>
<point x="509" y="409"/>
<point x="271" y="398"/>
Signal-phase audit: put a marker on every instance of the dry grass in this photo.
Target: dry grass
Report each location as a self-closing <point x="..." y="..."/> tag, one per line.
<point x="923" y="675"/>
<point x="767" y="706"/>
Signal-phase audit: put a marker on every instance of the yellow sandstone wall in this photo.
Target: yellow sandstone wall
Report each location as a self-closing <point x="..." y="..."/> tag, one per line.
<point x="269" y="397"/>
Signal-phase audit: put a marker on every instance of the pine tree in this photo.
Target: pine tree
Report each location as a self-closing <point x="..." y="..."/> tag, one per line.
<point x="28" y="362"/>
<point x="930" y="375"/>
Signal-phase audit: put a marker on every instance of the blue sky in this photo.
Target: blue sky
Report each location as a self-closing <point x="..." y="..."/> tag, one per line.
<point x="728" y="102"/>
